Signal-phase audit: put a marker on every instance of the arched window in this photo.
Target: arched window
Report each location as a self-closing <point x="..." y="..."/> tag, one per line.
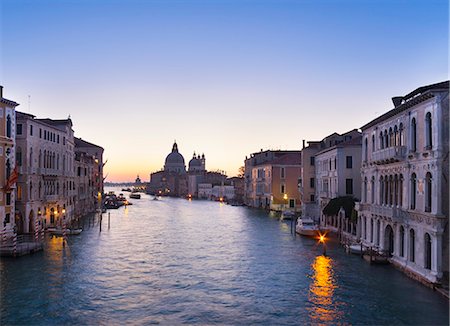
<point x="40" y="159"/>
<point x="391" y="137"/>
<point x="400" y="191"/>
<point x="427" y="253"/>
<point x="373" y="143"/>
<point x="381" y="140"/>
<point x="365" y="190"/>
<point x="395" y="190"/>
<point x="402" y="241"/>
<point x="381" y="190"/>
<point x="401" y="134"/>
<point x="386" y="139"/>
<point x="372" y="189"/>
<point x="412" y="245"/>
<point x="428" y="192"/>
<point x="8" y="126"/>
<point x="413" y="135"/>
<point x="428" y="131"/>
<point x="371" y="230"/>
<point x="413" y="190"/>
<point x="396" y="140"/>
<point x="31" y="190"/>
<point x="378" y="232"/>
<point x="366" y="149"/>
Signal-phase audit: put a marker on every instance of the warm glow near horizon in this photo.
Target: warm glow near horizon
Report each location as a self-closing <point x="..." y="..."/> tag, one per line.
<point x="223" y="78"/>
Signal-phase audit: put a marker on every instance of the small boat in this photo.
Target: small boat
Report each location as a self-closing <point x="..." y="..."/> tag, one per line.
<point x="306" y="226"/>
<point x="135" y="196"/>
<point x="287" y="215"/>
<point x="155" y="198"/>
<point x="56" y="231"/>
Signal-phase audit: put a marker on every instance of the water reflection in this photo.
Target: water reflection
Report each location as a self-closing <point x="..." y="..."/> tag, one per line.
<point x="321" y="292"/>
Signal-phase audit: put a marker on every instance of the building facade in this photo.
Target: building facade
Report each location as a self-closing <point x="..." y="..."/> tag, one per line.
<point x="405" y="171"/>
<point x="271" y="180"/>
<point x="7" y="163"/>
<point x="46" y="186"/>
<point x="338" y="173"/>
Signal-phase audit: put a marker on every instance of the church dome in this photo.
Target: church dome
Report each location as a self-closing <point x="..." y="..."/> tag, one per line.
<point x="195" y="161"/>
<point x="175" y="161"/>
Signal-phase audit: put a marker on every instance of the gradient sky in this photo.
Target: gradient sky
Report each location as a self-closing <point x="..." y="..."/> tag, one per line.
<point x="225" y="78"/>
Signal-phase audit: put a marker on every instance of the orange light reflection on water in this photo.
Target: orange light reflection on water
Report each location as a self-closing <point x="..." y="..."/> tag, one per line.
<point x="321" y="292"/>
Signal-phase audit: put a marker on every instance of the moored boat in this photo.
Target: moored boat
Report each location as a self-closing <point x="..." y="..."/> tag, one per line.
<point x="307" y="227"/>
<point x="135" y="196"/>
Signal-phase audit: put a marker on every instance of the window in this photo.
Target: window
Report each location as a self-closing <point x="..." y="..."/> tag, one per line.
<point x="31" y="130"/>
<point x="413" y="135"/>
<point x="402" y="241"/>
<point x="19" y="193"/>
<point x="349" y="162"/>
<point x="311" y="182"/>
<point x="428" y="196"/>
<point x="366" y="149"/>
<point x="401" y="140"/>
<point x="365" y="190"/>
<point x="40" y="133"/>
<point x="19" y="156"/>
<point x="291" y="203"/>
<point x="372" y="189"/>
<point x="8" y="126"/>
<point x="427" y="253"/>
<point x="413" y="190"/>
<point x="373" y="143"/>
<point x="19" y="129"/>
<point x="282" y="173"/>
<point x="428" y="131"/>
<point x="7" y="218"/>
<point x="412" y="248"/>
<point x="311" y="198"/>
<point x="349" y="186"/>
<point x="312" y="160"/>
<point x="300" y="182"/>
<point x="8" y="198"/>
<point x="282" y="188"/>
<point x="57" y="139"/>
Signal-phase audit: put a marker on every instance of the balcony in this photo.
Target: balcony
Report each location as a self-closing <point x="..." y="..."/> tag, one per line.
<point x="51" y="197"/>
<point x="397" y="214"/>
<point x="389" y="155"/>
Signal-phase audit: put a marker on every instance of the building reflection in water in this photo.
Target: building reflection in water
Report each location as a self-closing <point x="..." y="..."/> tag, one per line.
<point x="57" y="255"/>
<point x="323" y="310"/>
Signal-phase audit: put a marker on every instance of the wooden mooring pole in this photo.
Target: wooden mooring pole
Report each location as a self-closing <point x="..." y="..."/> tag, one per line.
<point x="109" y="216"/>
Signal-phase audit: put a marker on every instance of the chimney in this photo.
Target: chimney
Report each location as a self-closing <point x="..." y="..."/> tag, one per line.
<point x="397" y="100"/>
<point x="1" y="91"/>
<point x="303" y="141"/>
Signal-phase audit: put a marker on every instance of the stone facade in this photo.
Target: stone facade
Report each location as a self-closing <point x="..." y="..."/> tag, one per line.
<point x="7" y="162"/>
<point x="46" y="186"/>
<point x="405" y="171"/>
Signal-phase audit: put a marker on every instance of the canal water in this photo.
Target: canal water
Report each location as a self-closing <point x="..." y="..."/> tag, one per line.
<point x="175" y="261"/>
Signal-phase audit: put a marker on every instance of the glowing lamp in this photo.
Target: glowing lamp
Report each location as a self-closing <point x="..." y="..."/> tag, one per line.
<point x="64" y="211"/>
<point x="285" y="197"/>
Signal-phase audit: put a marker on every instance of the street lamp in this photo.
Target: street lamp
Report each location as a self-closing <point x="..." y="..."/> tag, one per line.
<point x="322" y="240"/>
<point x="285" y="197"/>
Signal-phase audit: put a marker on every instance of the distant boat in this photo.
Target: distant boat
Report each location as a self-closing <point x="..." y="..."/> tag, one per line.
<point x="307" y="227"/>
<point x="155" y="198"/>
<point x="287" y="215"/>
<point x="135" y="196"/>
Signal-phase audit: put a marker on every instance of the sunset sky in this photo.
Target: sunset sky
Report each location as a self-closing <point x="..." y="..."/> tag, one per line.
<point x="225" y="78"/>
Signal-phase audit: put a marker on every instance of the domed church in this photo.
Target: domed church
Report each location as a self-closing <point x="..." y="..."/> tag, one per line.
<point x="175" y="161"/>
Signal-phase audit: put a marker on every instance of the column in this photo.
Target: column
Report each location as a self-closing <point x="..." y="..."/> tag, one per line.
<point x="436" y="253"/>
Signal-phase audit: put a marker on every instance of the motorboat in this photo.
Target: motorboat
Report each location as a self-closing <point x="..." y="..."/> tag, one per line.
<point x="135" y="196"/>
<point x="306" y="226"/>
<point x="287" y="215"/>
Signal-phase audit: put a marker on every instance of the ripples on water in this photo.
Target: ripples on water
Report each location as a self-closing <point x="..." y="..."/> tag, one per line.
<point x="176" y="261"/>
